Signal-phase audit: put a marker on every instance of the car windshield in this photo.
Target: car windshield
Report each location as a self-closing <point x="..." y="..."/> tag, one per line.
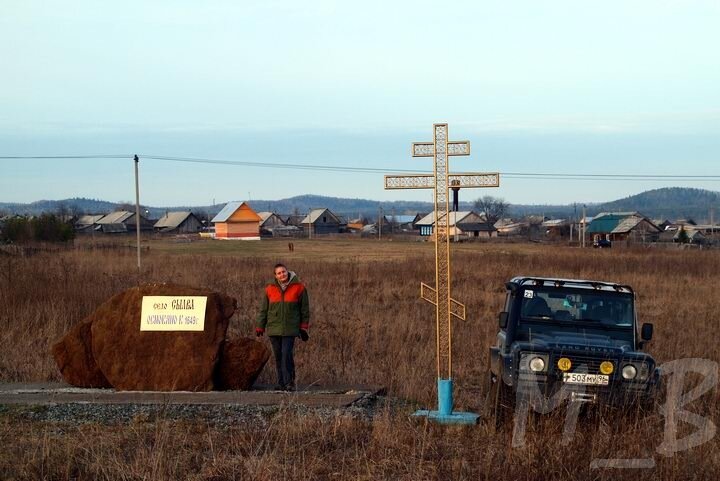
<point x="582" y="307"/>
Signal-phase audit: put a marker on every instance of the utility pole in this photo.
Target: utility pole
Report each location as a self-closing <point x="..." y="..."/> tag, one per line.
<point x="712" y="225"/>
<point x="584" y="227"/>
<point x="380" y="216"/>
<point x="137" y="208"/>
<point x="310" y="224"/>
<point x="393" y="221"/>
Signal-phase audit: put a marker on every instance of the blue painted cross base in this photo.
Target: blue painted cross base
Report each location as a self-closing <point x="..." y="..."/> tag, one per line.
<point x="445" y="413"/>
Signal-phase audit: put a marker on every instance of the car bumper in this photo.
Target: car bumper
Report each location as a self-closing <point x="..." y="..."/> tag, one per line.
<point x="617" y="393"/>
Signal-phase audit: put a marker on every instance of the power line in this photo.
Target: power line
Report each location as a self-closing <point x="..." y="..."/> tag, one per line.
<point x="62" y="157"/>
<point x="337" y="168"/>
<point x="376" y="170"/>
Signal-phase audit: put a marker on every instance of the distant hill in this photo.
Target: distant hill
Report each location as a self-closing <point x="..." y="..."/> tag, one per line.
<point x="302" y="204"/>
<point x="351" y="208"/>
<point x="671" y="203"/>
<point x="81" y="205"/>
<point x="666" y="203"/>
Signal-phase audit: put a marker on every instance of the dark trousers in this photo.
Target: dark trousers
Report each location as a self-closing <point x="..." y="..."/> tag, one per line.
<point x="282" y="347"/>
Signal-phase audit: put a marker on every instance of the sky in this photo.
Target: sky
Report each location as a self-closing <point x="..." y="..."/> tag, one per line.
<point x="538" y="87"/>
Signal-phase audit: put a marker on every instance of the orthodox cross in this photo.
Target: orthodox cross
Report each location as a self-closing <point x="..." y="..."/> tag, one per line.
<point x="442" y="181"/>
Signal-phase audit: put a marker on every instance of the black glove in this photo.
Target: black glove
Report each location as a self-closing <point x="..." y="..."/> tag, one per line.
<point x="304" y="335"/>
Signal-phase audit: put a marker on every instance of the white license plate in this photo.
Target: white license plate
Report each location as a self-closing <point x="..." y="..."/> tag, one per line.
<point x="580" y="378"/>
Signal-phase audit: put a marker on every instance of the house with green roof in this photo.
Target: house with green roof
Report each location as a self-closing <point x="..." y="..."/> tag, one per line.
<point x="623" y="228"/>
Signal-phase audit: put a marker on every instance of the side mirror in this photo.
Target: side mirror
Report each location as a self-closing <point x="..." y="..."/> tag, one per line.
<point x="502" y="320"/>
<point x="646" y="332"/>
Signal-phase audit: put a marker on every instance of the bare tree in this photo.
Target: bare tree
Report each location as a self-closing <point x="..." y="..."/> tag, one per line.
<point x="62" y="211"/>
<point x="492" y="209"/>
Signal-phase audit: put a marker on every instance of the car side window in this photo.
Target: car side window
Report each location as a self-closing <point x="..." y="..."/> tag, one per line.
<point x="508" y="302"/>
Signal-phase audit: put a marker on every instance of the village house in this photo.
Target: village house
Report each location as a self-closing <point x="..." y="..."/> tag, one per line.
<point x="397" y="224"/>
<point x="517" y="228"/>
<point x="183" y="222"/>
<point x="465" y="224"/>
<point x="402" y="223"/>
<point x="555" y="229"/>
<point x="662" y="223"/>
<point x="623" y="228"/>
<point x="694" y="233"/>
<point x="356" y="225"/>
<point x="121" y="222"/>
<point x="295" y="219"/>
<point x="321" y="221"/>
<point x="86" y="223"/>
<point x="694" y="236"/>
<point x="268" y="222"/>
<point x="237" y="220"/>
<point x="417" y="218"/>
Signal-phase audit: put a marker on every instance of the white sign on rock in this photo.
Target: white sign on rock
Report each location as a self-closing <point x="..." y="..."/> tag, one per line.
<point x="173" y="313"/>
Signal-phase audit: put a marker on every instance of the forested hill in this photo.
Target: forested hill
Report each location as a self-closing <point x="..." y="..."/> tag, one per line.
<point x="666" y="203"/>
<point x="671" y="203"/>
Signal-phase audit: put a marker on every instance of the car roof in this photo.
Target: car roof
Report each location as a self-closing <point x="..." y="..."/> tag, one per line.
<point x="573" y="283"/>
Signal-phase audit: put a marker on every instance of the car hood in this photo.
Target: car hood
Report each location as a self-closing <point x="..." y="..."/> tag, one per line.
<point x="563" y="341"/>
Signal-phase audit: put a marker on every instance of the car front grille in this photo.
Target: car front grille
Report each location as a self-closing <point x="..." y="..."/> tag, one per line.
<point x="582" y="363"/>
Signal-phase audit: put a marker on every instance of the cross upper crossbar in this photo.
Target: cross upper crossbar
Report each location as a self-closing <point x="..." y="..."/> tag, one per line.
<point x="427" y="149"/>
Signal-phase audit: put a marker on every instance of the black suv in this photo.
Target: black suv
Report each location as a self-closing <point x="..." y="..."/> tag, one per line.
<point x="573" y="338"/>
<point x="602" y="244"/>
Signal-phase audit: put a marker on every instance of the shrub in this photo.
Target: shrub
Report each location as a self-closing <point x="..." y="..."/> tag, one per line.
<point x="46" y="228"/>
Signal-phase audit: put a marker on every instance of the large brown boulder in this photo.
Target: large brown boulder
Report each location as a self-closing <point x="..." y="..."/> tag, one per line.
<point x="74" y="357"/>
<point x="240" y="364"/>
<point x="138" y="360"/>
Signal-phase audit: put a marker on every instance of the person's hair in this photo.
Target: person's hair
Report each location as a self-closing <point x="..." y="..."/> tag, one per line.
<point x="279" y="264"/>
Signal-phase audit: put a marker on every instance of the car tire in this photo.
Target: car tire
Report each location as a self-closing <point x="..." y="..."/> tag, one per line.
<point x="498" y="401"/>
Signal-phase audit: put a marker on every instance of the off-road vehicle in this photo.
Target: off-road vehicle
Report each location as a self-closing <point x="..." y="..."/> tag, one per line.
<point x="572" y="339"/>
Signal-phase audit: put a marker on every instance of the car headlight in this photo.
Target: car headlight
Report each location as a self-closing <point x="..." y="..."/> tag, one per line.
<point x="629" y="371"/>
<point x="533" y="362"/>
<point x="537" y="364"/>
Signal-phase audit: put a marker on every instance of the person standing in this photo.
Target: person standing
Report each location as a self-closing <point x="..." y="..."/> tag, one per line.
<point x="284" y="315"/>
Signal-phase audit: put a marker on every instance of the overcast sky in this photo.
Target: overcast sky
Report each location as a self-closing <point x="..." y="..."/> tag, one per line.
<point x="555" y="86"/>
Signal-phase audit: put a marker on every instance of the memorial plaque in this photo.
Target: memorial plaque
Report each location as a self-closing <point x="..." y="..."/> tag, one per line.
<point x="173" y="313"/>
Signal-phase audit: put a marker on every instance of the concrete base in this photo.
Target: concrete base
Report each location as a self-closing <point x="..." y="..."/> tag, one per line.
<point x="311" y="396"/>
<point x="455" y="417"/>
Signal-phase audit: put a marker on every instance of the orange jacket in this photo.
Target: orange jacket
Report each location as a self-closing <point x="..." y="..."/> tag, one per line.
<point x="284" y="313"/>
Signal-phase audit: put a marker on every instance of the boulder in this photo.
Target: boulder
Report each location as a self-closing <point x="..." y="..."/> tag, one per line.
<point x="240" y="364"/>
<point x="74" y="357"/>
<point x="138" y="360"/>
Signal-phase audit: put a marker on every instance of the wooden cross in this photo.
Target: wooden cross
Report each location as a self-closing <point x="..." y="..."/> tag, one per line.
<point x="442" y="181"/>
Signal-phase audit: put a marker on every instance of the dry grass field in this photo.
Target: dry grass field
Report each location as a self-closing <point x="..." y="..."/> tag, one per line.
<point x="369" y="327"/>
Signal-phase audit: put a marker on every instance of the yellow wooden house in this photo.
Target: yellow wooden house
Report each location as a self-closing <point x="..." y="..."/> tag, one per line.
<point x="237" y="220"/>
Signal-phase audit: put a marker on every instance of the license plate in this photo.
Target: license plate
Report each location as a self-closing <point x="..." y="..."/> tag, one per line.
<point x="580" y="378"/>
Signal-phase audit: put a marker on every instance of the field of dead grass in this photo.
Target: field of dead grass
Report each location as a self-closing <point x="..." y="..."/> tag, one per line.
<point x="369" y="327"/>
